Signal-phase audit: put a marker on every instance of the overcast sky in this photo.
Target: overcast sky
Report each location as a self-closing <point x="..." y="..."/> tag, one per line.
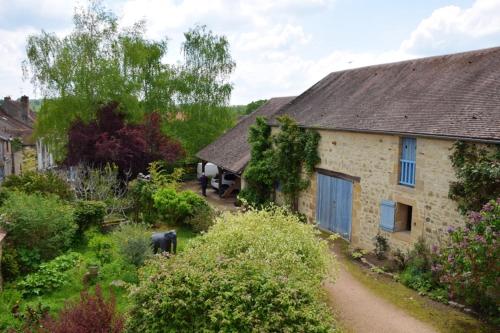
<point x="281" y="47"/>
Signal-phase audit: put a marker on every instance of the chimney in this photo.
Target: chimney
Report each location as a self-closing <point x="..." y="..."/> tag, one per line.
<point x="25" y="107"/>
<point x="6" y="99"/>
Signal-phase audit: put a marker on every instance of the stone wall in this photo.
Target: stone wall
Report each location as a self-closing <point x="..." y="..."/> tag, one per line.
<point x="374" y="160"/>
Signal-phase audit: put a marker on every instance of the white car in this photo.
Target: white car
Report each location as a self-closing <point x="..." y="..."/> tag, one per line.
<point x="211" y="170"/>
<point x="228" y="179"/>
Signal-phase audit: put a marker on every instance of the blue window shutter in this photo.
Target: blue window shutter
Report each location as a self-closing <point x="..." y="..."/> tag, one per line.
<point x="408" y="162"/>
<point x="387" y="212"/>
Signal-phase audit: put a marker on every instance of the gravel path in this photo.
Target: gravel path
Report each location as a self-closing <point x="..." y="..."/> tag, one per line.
<point x="360" y="310"/>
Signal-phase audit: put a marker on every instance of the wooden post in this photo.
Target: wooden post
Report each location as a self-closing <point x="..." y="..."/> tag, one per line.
<point x="220" y="180"/>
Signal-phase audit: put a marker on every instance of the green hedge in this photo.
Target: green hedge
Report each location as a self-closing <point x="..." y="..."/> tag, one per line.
<point x="31" y="182"/>
<point x="88" y="214"/>
<point x="182" y="207"/>
<point x="38" y="227"/>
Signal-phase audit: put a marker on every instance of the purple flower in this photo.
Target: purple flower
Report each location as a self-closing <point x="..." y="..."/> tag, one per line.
<point x="450" y="229"/>
<point x="480" y="239"/>
<point x="434" y="248"/>
<point x="488" y="207"/>
<point x="475" y="217"/>
<point x="450" y="259"/>
<point x="436" y="268"/>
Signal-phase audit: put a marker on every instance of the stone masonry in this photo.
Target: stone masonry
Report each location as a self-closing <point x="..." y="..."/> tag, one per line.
<point x="374" y="160"/>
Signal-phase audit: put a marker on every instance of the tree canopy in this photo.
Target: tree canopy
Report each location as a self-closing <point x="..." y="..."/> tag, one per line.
<point x="99" y="62"/>
<point x="108" y="140"/>
<point x="254" y="105"/>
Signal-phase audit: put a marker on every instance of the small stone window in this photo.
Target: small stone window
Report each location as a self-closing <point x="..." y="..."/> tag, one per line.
<point x="403" y="221"/>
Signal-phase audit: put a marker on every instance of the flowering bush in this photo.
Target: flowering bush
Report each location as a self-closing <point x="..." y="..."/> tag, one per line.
<point x="255" y="271"/>
<point x="469" y="265"/>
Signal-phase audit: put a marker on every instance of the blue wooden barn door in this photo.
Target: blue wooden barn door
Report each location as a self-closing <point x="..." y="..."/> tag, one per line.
<point x="334" y="205"/>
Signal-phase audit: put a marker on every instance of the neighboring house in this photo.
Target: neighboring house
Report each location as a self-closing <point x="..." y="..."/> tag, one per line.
<point x="6" y="155"/>
<point x="16" y="123"/>
<point x="386" y="137"/>
<point x="231" y="151"/>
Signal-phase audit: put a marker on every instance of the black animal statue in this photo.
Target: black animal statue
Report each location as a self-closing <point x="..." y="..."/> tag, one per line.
<point x="166" y="241"/>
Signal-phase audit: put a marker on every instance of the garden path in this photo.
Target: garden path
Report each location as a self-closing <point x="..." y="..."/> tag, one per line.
<point x="361" y="311"/>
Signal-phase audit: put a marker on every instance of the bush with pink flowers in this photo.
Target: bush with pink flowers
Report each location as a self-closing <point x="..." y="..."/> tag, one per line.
<point x="470" y="265"/>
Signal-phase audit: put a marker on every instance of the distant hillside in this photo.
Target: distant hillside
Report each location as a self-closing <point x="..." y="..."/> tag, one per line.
<point x="241" y="110"/>
<point x="35" y="104"/>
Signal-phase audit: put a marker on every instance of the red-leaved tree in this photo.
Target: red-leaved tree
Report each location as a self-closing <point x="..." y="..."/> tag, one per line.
<point x="108" y="139"/>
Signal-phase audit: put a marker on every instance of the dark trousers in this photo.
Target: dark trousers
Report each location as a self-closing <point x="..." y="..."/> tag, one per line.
<point x="204" y="190"/>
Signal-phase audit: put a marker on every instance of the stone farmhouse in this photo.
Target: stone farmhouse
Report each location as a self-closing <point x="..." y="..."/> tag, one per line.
<point x="18" y="148"/>
<point x="386" y="137"/>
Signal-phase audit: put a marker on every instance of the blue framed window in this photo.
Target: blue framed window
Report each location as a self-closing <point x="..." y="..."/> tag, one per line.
<point x="407" y="165"/>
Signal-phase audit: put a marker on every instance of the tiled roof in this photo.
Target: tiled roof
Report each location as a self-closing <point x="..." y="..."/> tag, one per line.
<point x="11" y="122"/>
<point x="455" y="96"/>
<point x="231" y="151"/>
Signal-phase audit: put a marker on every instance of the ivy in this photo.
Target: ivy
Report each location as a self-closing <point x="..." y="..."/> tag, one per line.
<point x="287" y="158"/>
<point x="258" y="173"/>
<point x="16" y="144"/>
<point x="478" y="175"/>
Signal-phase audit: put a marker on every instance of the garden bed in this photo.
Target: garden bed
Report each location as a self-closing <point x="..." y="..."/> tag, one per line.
<point x="13" y="305"/>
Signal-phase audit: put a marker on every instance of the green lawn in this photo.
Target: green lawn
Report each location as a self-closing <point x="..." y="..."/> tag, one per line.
<point x="115" y="270"/>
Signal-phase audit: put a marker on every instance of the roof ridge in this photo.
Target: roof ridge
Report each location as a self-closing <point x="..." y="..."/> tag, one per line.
<point x="417" y="59"/>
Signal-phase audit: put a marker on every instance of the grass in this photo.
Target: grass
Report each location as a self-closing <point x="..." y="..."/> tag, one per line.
<point x="442" y="317"/>
<point x="115" y="270"/>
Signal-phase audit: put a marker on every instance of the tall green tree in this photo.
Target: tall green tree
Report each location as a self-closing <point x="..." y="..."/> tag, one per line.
<point x="77" y="72"/>
<point x="204" y="90"/>
<point x="98" y="63"/>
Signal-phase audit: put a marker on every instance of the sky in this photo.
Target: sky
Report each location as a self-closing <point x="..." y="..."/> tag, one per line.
<point x="281" y="47"/>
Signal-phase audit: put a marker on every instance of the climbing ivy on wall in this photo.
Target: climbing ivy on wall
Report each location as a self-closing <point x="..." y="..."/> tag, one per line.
<point x="287" y="158"/>
<point x="259" y="174"/>
<point x="477" y="169"/>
